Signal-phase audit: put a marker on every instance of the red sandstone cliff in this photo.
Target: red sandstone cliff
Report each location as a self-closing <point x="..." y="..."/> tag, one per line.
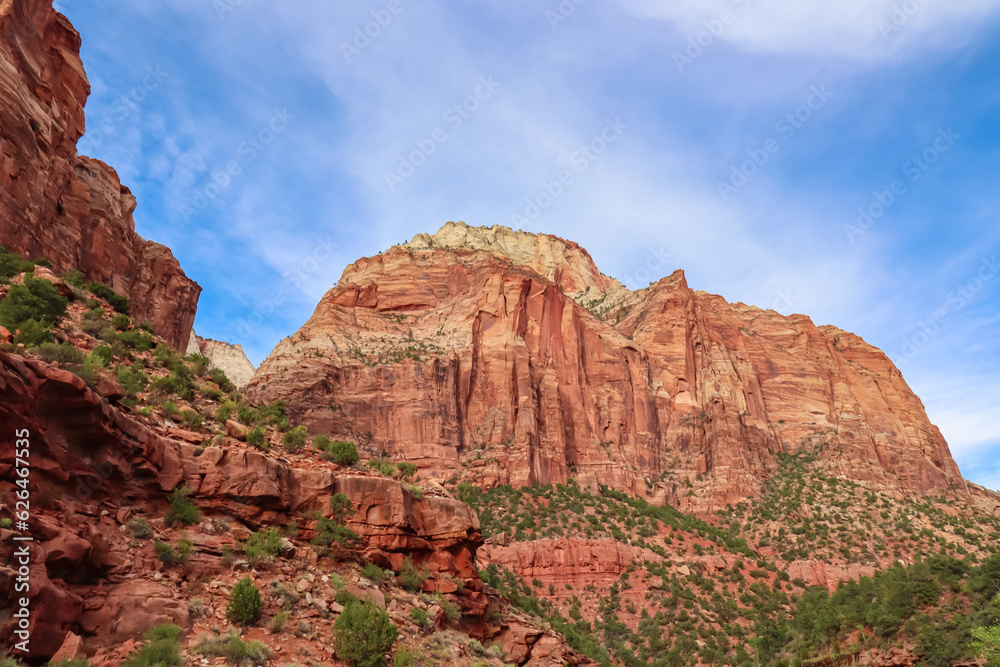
<point x="469" y="353"/>
<point x="68" y="208"/>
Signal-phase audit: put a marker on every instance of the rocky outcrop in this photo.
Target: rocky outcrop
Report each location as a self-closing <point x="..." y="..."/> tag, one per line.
<point x="229" y="358"/>
<point x="96" y="463"/>
<point x="502" y="362"/>
<point x="71" y="209"/>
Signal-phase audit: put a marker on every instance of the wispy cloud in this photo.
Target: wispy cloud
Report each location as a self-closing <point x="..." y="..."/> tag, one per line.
<point x="368" y="91"/>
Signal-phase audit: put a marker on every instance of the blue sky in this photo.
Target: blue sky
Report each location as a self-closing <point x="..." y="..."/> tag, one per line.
<point x="832" y="159"/>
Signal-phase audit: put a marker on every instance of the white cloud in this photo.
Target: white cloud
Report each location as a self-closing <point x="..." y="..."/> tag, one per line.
<point x="861" y="29"/>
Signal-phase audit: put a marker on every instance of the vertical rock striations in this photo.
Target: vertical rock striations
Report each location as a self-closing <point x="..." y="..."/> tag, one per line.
<point x="506" y="357"/>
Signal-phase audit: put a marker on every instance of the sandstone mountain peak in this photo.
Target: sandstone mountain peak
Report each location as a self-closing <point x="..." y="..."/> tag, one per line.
<point x="563" y="262"/>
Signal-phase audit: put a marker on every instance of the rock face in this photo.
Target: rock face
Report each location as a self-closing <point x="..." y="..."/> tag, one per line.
<point x="68" y="208"/>
<point x="225" y="356"/>
<point x="507" y="357"/>
<point x="97" y="463"/>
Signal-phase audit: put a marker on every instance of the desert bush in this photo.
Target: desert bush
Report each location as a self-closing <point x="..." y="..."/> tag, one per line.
<point x="63" y="353"/>
<point x="192" y="420"/>
<point x="162" y="648"/>
<point x="199" y="363"/>
<point x="165" y="553"/>
<point x="132" y="379"/>
<point x="12" y="265"/>
<point x="419" y="616"/>
<point x="219" y="377"/>
<point x="262" y="546"/>
<point x="374" y="573"/>
<point x="32" y="333"/>
<point x="257" y="438"/>
<point x="135" y="339"/>
<point x="343" y="452"/>
<point x="118" y="302"/>
<point x="234" y="650"/>
<point x="363" y="633"/>
<point x="141" y="528"/>
<point x="295" y="439"/>
<point x="410" y="577"/>
<point x="244" y="602"/>
<point x="407" y="469"/>
<point x="383" y="466"/>
<point x="102" y="355"/>
<point x="182" y="508"/>
<point x="33" y="308"/>
<point x="121" y="322"/>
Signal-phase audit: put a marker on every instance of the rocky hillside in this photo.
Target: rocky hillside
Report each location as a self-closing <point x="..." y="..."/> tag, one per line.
<point x="501" y="357"/>
<point x="71" y="209"/>
<point x="155" y="487"/>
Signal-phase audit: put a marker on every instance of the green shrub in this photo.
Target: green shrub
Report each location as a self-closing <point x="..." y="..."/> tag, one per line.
<point x="162" y="648"/>
<point x="164" y="354"/>
<point x="90" y="370"/>
<point x="224" y="412"/>
<point x="363" y="633"/>
<point x="165" y="553"/>
<point x="451" y="610"/>
<point x="182" y="508"/>
<point x="132" y="379"/>
<point x="12" y="265"/>
<point x="136" y="340"/>
<point x="262" y="546"/>
<point x="32" y="333"/>
<point x="410" y="577"/>
<point x="407" y="469"/>
<point x="383" y="466"/>
<point x="295" y="439"/>
<point x="102" y="356"/>
<point x="404" y="657"/>
<point x="247" y="415"/>
<point x="329" y="532"/>
<point x="374" y="573"/>
<point x="234" y="650"/>
<point x="73" y="277"/>
<point x="192" y="420"/>
<point x="118" y="302"/>
<point x="217" y="376"/>
<point x="36" y="301"/>
<point x="64" y="353"/>
<point x="42" y="261"/>
<point x="419" y="616"/>
<point x="278" y="621"/>
<point x="141" y="528"/>
<point x="185" y="548"/>
<point x="321" y="441"/>
<point x="199" y="362"/>
<point x="244" y="602"/>
<point x="121" y="322"/>
<point x="257" y="438"/>
<point x="341" y="507"/>
<point x="343" y="452"/>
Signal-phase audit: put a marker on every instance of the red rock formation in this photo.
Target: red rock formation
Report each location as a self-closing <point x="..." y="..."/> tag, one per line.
<point x="57" y="204"/>
<point x="98" y="462"/>
<point x="483" y="363"/>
